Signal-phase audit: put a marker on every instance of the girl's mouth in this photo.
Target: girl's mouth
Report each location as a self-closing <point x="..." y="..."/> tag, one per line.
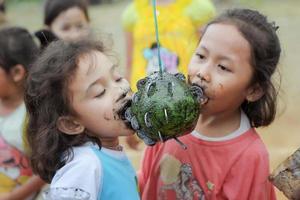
<point x="122" y="112"/>
<point x="200" y="93"/>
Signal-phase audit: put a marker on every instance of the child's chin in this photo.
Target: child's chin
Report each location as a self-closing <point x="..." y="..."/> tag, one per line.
<point x="126" y="126"/>
<point x="130" y="130"/>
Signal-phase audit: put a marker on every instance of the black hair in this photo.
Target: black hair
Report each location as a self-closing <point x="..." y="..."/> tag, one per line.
<point x="2" y="6"/>
<point x="45" y="37"/>
<point x="17" y="47"/>
<point x="265" y="54"/>
<point x="54" y="7"/>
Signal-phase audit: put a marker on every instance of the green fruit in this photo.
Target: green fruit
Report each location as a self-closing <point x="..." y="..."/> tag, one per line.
<point x="164" y="107"/>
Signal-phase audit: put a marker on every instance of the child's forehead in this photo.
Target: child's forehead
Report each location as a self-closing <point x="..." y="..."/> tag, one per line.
<point x="71" y="14"/>
<point x="93" y="60"/>
<point x="226" y="36"/>
<point x="222" y="30"/>
<point x="74" y="10"/>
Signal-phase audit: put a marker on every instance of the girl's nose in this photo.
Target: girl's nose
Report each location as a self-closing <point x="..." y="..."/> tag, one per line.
<point x="204" y="73"/>
<point x="205" y="78"/>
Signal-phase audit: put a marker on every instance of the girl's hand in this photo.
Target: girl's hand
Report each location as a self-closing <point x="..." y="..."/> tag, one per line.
<point x="132" y="141"/>
<point x="5" y="196"/>
<point x="32" y="186"/>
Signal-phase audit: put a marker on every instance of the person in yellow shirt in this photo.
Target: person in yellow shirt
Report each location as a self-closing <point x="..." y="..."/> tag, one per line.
<point x="179" y="21"/>
<point x="179" y="24"/>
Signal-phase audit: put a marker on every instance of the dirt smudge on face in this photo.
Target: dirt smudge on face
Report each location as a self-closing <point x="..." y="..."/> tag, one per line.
<point x="106" y="117"/>
<point x="221" y="86"/>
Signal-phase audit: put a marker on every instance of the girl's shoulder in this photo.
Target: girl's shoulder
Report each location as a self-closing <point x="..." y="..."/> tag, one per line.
<point x="256" y="148"/>
<point x="82" y="170"/>
<point x="83" y="153"/>
<point x="80" y="158"/>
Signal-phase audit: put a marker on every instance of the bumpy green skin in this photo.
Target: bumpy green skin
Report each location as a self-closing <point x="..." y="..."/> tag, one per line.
<point x="164" y="104"/>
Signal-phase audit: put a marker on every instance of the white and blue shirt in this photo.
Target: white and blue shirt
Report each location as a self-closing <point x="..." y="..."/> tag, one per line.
<point x="105" y="174"/>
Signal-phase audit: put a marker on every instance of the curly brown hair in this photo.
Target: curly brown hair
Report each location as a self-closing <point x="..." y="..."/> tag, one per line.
<point x="47" y="98"/>
<point x="265" y="54"/>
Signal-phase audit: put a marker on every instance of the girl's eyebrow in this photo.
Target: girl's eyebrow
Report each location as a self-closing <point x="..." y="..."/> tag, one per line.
<point x="112" y="68"/>
<point x="203" y="47"/>
<point x="91" y="85"/>
<point x="220" y="57"/>
<point x="225" y="58"/>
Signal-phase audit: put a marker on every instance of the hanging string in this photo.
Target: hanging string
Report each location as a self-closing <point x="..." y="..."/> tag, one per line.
<point x="160" y="63"/>
<point x="157" y="38"/>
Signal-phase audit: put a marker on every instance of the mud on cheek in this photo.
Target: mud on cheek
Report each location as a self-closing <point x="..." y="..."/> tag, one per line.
<point x="108" y="117"/>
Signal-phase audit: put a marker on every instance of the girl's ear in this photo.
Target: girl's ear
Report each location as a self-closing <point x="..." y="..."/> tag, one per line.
<point x="18" y="73"/>
<point x="69" y="125"/>
<point x="254" y="93"/>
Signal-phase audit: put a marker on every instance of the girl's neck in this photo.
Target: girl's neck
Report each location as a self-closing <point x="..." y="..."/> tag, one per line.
<point x="219" y="125"/>
<point x="110" y="143"/>
<point x="10" y="104"/>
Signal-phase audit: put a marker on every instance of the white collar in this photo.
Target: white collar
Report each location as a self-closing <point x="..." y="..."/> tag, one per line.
<point x="244" y="126"/>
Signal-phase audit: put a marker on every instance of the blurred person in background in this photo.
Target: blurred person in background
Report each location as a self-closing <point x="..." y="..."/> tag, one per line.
<point x="2" y="12"/>
<point x="67" y="20"/>
<point x="17" y="52"/>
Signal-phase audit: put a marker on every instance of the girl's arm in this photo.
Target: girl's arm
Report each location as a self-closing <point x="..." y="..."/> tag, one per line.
<point x="33" y="185"/>
<point x="129" y="18"/>
<point x="132" y="141"/>
<point x="83" y="171"/>
<point x="129" y="54"/>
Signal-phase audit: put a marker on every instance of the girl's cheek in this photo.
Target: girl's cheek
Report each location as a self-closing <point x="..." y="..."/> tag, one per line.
<point x="192" y="72"/>
<point x="219" y="90"/>
<point x="216" y="90"/>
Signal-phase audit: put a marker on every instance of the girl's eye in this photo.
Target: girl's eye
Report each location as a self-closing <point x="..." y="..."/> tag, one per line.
<point x="100" y="94"/>
<point x="119" y="79"/>
<point x="66" y="27"/>
<point x="224" y="68"/>
<point x="201" y="56"/>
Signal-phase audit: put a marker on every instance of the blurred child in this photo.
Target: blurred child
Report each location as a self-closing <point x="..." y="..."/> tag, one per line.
<point x="67" y="20"/>
<point x="16" y="53"/>
<point x="179" y="24"/>
<point x="225" y="157"/>
<point x="2" y="12"/>
<point x="74" y="98"/>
